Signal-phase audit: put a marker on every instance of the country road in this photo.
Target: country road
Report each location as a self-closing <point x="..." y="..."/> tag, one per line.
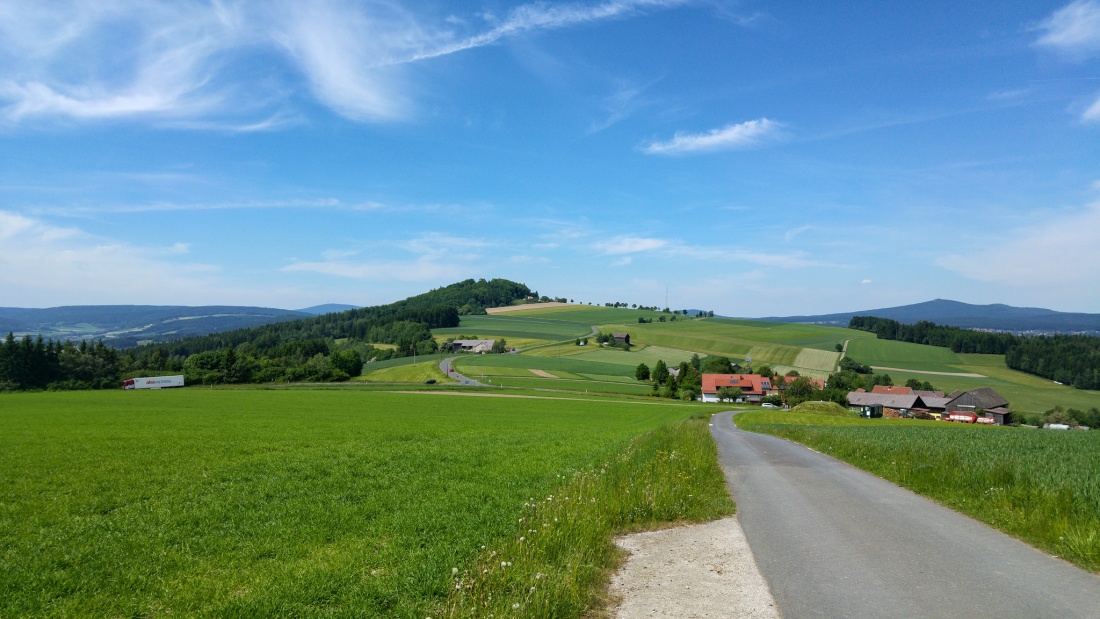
<point x="834" y="541"/>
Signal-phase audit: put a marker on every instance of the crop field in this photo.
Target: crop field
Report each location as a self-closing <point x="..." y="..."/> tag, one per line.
<point x="517" y="325"/>
<point x="890" y="353"/>
<point x="1040" y="486"/>
<point x="550" y="364"/>
<point x="411" y="373"/>
<point x="331" y="502"/>
<point x="593" y="384"/>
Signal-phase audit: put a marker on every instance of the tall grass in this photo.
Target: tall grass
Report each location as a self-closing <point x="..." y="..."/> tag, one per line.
<point x="1040" y="486"/>
<point x="559" y="556"/>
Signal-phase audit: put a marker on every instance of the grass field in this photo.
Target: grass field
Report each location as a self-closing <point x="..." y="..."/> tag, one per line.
<point x="809" y="349"/>
<point x="411" y="373"/>
<point x="329" y="503"/>
<point x="1040" y="486"/>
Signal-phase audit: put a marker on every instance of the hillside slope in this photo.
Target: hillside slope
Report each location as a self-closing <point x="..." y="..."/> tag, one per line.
<point x="967" y="316"/>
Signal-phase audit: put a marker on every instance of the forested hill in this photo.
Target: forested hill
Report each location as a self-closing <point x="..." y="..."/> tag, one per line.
<point x="1067" y="359"/>
<point x="967" y="316"/>
<point x="405" y="322"/>
<point x="330" y="347"/>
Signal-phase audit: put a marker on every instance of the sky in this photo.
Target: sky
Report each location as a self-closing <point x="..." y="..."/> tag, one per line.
<point x="750" y="158"/>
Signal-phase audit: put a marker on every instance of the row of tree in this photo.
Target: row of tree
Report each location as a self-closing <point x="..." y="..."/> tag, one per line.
<point x="1067" y="359"/>
<point x="331" y="347"/>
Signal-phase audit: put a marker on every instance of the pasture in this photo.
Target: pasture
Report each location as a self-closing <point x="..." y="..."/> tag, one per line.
<point x="324" y="503"/>
<point x="1040" y="486"/>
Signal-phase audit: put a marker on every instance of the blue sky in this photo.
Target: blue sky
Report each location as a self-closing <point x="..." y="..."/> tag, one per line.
<point x="754" y="158"/>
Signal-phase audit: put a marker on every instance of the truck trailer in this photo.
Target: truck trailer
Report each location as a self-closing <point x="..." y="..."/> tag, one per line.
<point x="153" y="382"/>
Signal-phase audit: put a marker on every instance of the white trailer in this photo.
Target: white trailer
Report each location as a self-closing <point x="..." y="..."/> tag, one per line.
<point x="153" y="382"/>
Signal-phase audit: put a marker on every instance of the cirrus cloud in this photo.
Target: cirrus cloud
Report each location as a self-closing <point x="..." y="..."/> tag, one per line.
<point x="748" y="134"/>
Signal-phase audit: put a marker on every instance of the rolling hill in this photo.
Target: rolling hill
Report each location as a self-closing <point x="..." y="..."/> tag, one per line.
<point x="997" y="317"/>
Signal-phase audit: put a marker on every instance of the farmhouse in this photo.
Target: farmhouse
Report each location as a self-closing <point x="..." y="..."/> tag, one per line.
<point x="474" y="346"/>
<point x="891" y="404"/>
<point x="621" y="338"/>
<point x="892" y="390"/>
<point x="753" y="386"/>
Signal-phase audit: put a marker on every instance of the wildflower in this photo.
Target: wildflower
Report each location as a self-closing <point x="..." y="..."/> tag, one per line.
<point x="521" y="538"/>
<point x="454" y="571"/>
<point x="532" y="589"/>
<point x="503" y="564"/>
<point x="515" y="606"/>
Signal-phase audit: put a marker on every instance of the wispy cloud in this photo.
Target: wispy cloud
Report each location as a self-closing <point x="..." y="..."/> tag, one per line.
<point x="1063" y="251"/>
<point x="790" y="234"/>
<point x="748" y="134"/>
<point x="1073" y="29"/>
<point x="1092" y="114"/>
<point x="229" y="64"/>
<point x="629" y="245"/>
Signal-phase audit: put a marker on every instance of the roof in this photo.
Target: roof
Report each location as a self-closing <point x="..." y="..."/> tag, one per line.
<point x="620" y="336"/>
<point x="892" y="389"/>
<point x="984" y="397"/>
<point x="998" y="411"/>
<point x="750" y="384"/>
<point x="887" y="400"/>
<point x="474" y="343"/>
<point x="928" y="394"/>
<point x="931" y="402"/>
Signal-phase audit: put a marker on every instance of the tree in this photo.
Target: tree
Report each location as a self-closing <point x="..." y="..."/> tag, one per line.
<point x="729" y="394"/>
<point x="800" y="390"/>
<point x="641" y="372"/>
<point x="500" y="346"/>
<point x="716" y="365"/>
<point x="660" y="371"/>
<point x="839" y="347"/>
<point x="696" y="362"/>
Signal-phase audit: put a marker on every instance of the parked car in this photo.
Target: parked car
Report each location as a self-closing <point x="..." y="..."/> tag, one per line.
<point x="768" y="405"/>
<point x="430" y="381"/>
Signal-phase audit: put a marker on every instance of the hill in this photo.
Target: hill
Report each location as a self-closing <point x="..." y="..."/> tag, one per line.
<point x="997" y="317"/>
<point x="327" y="308"/>
<point x="127" y="325"/>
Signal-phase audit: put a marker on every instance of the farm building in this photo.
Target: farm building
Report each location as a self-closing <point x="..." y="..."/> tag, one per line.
<point x="986" y="401"/>
<point x="474" y="346"/>
<point x="891" y="405"/>
<point x="621" y="338"/>
<point x="753" y="386"/>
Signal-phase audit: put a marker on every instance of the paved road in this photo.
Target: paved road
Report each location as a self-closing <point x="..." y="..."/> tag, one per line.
<point x="445" y="367"/>
<point x="834" y="541"/>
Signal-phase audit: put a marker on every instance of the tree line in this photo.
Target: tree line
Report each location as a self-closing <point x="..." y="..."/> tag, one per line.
<point x="331" y="347"/>
<point x="1067" y="359"/>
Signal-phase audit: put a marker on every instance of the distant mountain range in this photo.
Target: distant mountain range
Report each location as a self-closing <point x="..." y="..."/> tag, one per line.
<point x="128" y="325"/>
<point x="954" y="313"/>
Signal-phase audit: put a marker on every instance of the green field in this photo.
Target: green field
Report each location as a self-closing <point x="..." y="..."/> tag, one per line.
<point x="327" y="503"/>
<point x="1040" y="486"/>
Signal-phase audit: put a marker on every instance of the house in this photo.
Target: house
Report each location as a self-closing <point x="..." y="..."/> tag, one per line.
<point x="753" y="386"/>
<point x="892" y="404"/>
<point x="474" y="346"/>
<point x="892" y="390"/>
<point x="928" y="394"/>
<point x="621" y="338"/>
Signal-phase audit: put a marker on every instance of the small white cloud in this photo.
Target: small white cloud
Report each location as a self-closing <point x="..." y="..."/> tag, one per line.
<point x="629" y="245"/>
<point x="865" y="282"/>
<point x="622" y="262"/>
<point x="748" y="134"/>
<point x="1073" y="29"/>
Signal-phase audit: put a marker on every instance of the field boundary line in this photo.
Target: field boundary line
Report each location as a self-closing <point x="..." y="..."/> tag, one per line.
<point x="960" y="374"/>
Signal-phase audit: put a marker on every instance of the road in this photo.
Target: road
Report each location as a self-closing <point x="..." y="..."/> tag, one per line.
<point x="834" y="541"/>
<point x="445" y="367"/>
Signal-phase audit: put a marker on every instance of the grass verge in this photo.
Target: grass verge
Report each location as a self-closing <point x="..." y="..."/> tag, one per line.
<point x="1040" y="486"/>
<point x="559" y="557"/>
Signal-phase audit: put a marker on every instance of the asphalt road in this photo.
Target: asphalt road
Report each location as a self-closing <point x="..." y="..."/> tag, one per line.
<point x="834" y="541"/>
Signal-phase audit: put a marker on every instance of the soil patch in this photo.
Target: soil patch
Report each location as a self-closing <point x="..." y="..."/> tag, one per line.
<point x="692" y="572"/>
<point x="543" y="373"/>
<point x="527" y="306"/>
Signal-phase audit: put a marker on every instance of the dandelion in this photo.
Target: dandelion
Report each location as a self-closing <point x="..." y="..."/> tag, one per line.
<point x="454" y="571"/>
<point x="521" y="538"/>
<point x="532" y="589"/>
<point x="503" y="564"/>
<point x="515" y="606"/>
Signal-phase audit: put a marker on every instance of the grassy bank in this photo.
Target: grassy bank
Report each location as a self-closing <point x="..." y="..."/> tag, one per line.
<point x="1040" y="486"/>
<point x="292" y="502"/>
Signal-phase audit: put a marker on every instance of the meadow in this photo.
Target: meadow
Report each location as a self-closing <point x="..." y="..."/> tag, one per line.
<point x="340" y="502"/>
<point x="1040" y="486"/>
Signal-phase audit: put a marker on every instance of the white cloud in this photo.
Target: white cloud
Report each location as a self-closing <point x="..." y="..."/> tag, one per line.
<point x="225" y="64"/>
<point x="629" y="245"/>
<point x="1073" y="29"/>
<point x="1062" y="253"/>
<point x="412" y="271"/>
<point x="790" y="234"/>
<point x="622" y="262"/>
<point x="748" y="134"/>
<point x="44" y="265"/>
<point x="1092" y="114"/>
<point x="865" y="282"/>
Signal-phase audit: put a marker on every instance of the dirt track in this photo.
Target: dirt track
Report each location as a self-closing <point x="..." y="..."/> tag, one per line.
<point x="963" y="374"/>
<point x="528" y="306"/>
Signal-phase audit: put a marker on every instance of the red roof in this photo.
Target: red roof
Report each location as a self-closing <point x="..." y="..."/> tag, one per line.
<point x="893" y="390"/>
<point x="750" y="384"/>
